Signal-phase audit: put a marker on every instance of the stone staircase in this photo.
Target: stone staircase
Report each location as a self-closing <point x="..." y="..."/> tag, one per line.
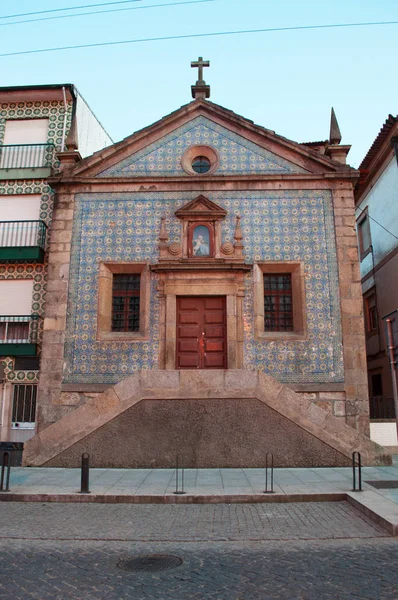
<point x="224" y="418"/>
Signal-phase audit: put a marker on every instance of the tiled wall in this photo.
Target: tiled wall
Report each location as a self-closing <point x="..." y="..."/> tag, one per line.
<point x="55" y="112"/>
<point x="237" y="155"/>
<point x="293" y="225"/>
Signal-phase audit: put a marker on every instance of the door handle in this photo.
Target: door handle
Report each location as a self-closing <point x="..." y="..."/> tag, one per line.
<point x="202" y="340"/>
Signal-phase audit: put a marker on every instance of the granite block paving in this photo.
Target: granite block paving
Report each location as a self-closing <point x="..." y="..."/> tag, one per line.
<point x="148" y="522"/>
<point x="354" y="569"/>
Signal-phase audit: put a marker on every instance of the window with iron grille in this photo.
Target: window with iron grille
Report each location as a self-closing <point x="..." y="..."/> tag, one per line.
<point x="24" y="403"/>
<point x="278" y="305"/>
<point x="126" y="302"/>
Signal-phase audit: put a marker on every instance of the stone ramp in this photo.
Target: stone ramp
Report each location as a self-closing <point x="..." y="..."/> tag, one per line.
<point x="218" y="426"/>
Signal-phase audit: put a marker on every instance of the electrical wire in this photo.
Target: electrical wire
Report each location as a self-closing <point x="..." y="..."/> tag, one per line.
<point x="42" y="12"/>
<point x="100" y="12"/>
<point x="379" y="224"/>
<point x="199" y="35"/>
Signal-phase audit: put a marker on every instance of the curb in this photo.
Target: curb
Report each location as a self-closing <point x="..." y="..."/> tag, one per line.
<point x="386" y="523"/>
<point x="173" y="499"/>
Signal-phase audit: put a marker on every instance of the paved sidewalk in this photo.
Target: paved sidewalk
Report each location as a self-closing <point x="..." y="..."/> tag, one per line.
<point x="210" y="486"/>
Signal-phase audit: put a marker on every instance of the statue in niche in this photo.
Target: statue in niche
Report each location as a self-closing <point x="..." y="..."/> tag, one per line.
<point x="201" y="241"/>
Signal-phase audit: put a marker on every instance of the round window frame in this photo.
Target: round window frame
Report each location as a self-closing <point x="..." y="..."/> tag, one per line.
<point x="195" y="151"/>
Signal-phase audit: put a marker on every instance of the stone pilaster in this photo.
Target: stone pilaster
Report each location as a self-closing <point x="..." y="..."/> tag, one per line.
<point x="353" y="331"/>
<point x="50" y="410"/>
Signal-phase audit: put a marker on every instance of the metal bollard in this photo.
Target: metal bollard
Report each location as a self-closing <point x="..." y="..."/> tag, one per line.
<point x="179" y="491"/>
<point x="85" y="474"/>
<point x="5" y="464"/>
<point x="356" y="462"/>
<point x="271" y="470"/>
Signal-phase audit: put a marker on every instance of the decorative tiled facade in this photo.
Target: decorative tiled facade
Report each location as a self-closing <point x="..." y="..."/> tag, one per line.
<point x="237" y="155"/>
<point x="277" y="226"/>
<point x="54" y="111"/>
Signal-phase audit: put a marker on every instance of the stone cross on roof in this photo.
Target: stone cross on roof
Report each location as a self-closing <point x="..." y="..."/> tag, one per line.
<point x="200" y="90"/>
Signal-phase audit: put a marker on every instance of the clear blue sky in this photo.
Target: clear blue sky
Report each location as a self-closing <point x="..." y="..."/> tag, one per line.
<point x="285" y="81"/>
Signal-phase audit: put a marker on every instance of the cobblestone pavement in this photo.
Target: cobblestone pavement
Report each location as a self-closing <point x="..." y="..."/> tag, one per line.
<point x="298" y="570"/>
<point x="149" y="522"/>
<point x="229" y="552"/>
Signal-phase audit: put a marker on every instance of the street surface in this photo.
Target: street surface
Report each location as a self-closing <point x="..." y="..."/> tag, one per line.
<point x="301" y="551"/>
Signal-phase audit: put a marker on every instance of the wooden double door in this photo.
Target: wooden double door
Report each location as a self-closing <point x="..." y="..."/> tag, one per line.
<point x="201" y="332"/>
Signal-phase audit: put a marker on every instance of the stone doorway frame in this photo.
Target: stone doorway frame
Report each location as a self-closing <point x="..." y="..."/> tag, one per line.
<point x="173" y="284"/>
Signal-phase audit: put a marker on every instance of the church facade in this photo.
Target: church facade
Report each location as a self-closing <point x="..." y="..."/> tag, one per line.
<point x="204" y="299"/>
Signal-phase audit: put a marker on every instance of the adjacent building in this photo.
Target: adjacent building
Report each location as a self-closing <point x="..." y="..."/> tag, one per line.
<point x="376" y="199"/>
<point x="36" y="123"/>
<point x="204" y="299"/>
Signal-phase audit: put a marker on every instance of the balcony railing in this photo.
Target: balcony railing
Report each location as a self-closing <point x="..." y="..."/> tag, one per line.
<point x="26" y="156"/>
<point x="23" y="240"/>
<point x="14" y="157"/>
<point x="19" y="334"/>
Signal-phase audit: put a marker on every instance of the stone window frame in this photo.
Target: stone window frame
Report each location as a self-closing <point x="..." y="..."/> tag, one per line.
<point x="296" y="270"/>
<point x="104" y="313"/>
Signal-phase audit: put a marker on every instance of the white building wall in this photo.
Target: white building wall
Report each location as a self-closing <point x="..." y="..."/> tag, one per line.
<point x="384" y="434"/>
<point x="91" y="134"/>
<point x="382" y="204"/>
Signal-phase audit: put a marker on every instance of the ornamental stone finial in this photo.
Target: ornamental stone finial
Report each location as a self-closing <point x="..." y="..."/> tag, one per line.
<point x="335" y="135"/>
<point x="238" y="237"/>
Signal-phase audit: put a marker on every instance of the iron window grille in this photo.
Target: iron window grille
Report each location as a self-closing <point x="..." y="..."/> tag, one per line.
<point x="126" y="302"/>
<point x="278" y="304"/>
<point x="24" y="404"/>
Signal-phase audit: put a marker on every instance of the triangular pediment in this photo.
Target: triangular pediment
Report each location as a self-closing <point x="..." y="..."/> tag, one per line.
<point x="237" y="155"/>
<point x="203" y="207"/>
<point x="240" y="148"/>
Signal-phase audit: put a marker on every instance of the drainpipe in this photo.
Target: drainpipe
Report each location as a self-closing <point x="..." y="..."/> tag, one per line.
<point x="65" y="118"/>
<point x="3" y="402"/>
<point x="391" y="354"/>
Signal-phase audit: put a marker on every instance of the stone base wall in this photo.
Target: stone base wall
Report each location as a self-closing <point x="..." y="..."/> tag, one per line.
<point x="215" y="418"/>
<point x="208" y="433"/>
<point x="332" y="402"/>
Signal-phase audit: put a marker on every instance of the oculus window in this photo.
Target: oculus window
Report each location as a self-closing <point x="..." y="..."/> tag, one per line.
<point x="201" y="164"/>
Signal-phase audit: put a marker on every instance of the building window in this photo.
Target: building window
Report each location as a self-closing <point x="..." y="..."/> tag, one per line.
<point x="377" y="386"/>
<point x="371" y="312"/>
<point x="123" y="301"/>
<point x="24" y="405"/>
<point x="364" y="238"/>
<point x="201" y="164"/>
<point x="279" y="301"/>
<point x="126" y="303"/>
<point x="278" y="306"/>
